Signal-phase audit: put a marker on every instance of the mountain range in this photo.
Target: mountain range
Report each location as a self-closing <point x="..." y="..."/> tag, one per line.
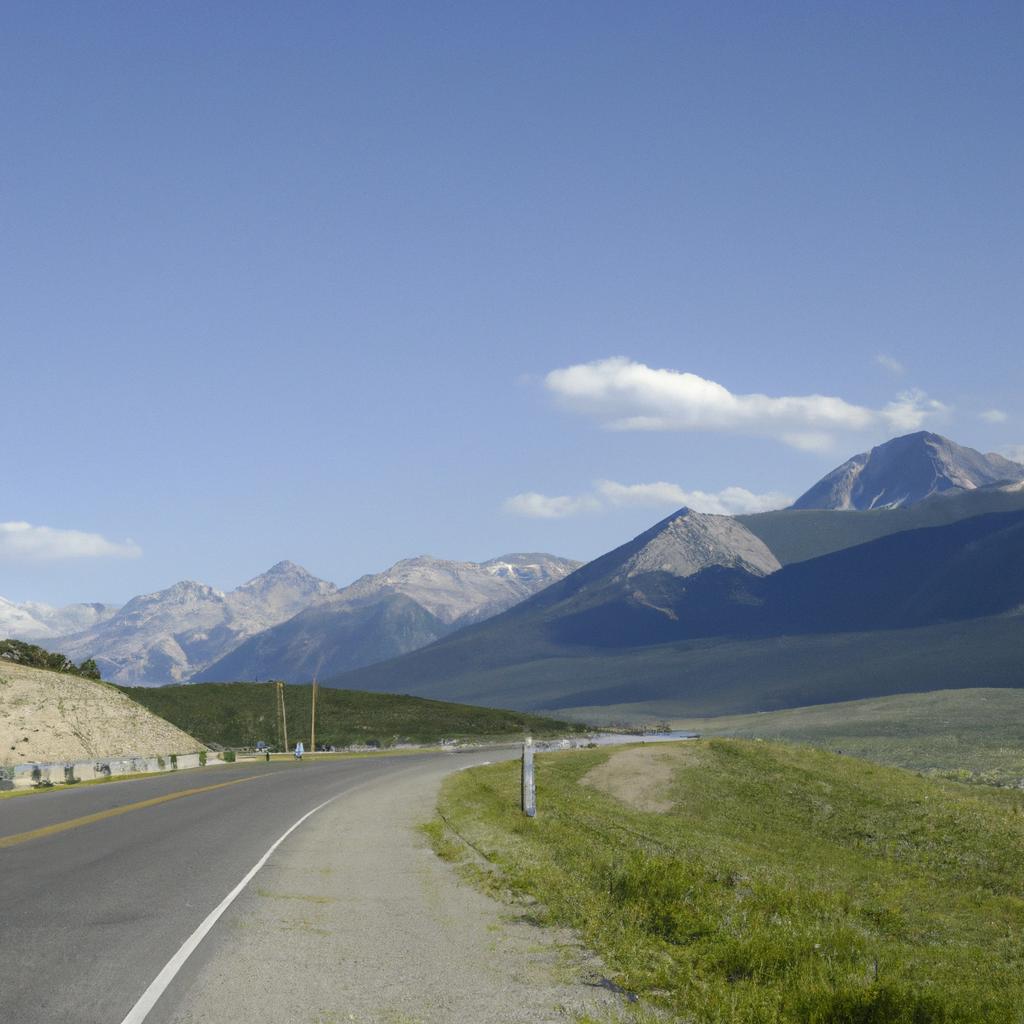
<point x="36" y="621"/>
<point x="711" y="591"/>
<point x="608" y="636"/>
<point x="413" y="603"/>
<point x="285" y="623"/>
<point x="169" y="635"/>
<point x="917" y="532"/>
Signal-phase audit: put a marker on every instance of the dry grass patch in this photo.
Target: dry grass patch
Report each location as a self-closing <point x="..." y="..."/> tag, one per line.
<point x="641" y="777"/>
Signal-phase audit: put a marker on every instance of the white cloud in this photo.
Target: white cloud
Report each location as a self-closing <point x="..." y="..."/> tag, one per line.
<point x="542" y="506"/>
<point x="911" y="409"/>
<point x="1015" y="452"/>
<point x="660" y="493"/>
<point x="730" y="501"/>
<point x="626" y="395"/>
<point x="994" y="416"/>
<point x="608" y="493"/>
<point x="890" y="364"/>
<point x="809" y="441"/>
<point x="23" y="541"/>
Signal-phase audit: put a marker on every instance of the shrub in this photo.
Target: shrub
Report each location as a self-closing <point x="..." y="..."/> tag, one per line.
<point x="229" y="756"/>
<point x="33" y="656"/>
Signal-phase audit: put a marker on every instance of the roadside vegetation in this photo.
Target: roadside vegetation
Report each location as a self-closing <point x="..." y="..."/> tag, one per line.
<point x="241" y="714"/>
<point x="20" y="653"/>
<point x="758" y="883"/>
<point x="974" y="735"/>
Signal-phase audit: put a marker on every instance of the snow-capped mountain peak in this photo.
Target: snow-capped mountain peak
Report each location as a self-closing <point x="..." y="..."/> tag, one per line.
<point x="907" y="470"/>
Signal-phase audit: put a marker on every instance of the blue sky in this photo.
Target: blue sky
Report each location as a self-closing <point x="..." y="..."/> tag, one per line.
<point x="323" y="281"/>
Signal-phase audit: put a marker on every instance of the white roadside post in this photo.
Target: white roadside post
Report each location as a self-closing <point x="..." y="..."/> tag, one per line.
<point x="529" y="783"/>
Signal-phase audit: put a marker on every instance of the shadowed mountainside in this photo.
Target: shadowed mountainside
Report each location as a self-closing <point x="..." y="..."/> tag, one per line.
<point x="550" y="651"/>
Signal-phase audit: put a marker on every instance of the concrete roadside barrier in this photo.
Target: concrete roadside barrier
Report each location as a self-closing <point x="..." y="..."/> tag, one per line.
<point x="41" y="775"/>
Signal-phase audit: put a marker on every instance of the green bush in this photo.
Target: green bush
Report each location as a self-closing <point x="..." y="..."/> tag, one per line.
<point x="22" y="653"/>
<point x="202" y="757"/>
<point x="229" y="756"/>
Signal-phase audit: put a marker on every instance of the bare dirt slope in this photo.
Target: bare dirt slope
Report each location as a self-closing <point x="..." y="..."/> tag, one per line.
<point x="641" y="776"/>
<point x="45" y="716"/>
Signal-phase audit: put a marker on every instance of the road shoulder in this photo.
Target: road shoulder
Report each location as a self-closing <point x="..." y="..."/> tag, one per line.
<point x="355" y="919"/>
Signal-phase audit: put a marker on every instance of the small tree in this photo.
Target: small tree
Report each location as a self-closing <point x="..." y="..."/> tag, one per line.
<point x="89" y="669"/>
<point x="22" y="653"/>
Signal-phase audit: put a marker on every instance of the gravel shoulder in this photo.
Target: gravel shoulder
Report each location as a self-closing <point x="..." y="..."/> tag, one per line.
<point x="355" y="919"/>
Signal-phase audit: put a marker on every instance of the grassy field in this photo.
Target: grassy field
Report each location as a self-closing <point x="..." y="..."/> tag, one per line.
<point x="240" y="714"/>
<point x="776" y="885"/>
<point x="971" y="735"/>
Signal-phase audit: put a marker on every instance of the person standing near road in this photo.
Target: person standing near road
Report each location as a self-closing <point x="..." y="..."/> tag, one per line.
<point x="299" y="750"/>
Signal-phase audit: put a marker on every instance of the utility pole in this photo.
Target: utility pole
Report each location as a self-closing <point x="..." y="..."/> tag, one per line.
<point x="312" y="722"/>
<point x="277" y="711"/>
<point x="282" y="717"/>
<point x="312" y="715"/>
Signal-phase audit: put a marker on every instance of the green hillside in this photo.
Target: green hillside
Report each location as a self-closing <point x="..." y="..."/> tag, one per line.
<point x="795" y="535"/>
<point x="972" y="735"/>
<point x="734" y="882"/>
<point x="919" y="609"/>
<point x="724" y="676"/>
<point x="240" y="714"/>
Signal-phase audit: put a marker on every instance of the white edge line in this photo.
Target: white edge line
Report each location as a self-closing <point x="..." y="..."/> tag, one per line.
<point x="138" y="1013"/>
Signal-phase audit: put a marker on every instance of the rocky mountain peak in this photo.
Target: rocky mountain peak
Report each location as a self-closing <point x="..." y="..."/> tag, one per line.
<point x="461" y="591"/>
<point x="183" y="590"/>
<point x="907" y="470"/>
<point x="287" y="568"/>
<point x="34" y="620"/>
<point x="687" y="542"/>
<point x="285" y="574"/>
<point x="167" y="635"/>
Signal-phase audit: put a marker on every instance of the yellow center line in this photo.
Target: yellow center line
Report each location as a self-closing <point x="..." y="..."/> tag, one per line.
<point x="113" y="812"/>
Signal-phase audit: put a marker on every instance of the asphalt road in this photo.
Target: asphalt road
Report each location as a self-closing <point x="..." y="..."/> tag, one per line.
<point x="90" y="914"/>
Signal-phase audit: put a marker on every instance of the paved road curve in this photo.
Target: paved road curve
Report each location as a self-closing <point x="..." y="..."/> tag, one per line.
<point x="89" y="914"/>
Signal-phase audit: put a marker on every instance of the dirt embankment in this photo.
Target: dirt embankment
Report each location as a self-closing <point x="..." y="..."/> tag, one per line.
<point x="642" y="776"/>
<point x="45" y="716"/>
